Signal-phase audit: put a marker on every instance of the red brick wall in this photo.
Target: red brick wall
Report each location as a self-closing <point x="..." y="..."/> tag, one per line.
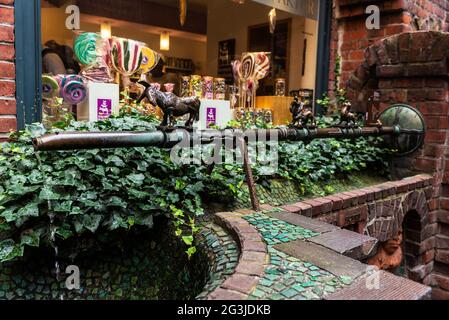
<point x="7" y="69"/>
<point x="413" y="68"/>
<point x="350" y="37"/>
<point x="408" y="68"/>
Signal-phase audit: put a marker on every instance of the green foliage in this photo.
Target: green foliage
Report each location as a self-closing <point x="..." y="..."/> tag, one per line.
<point x="100" y="191"/>
<point x="322" y="159"/>
<point x="96" y="191"/>
<point x="327" y="104"/>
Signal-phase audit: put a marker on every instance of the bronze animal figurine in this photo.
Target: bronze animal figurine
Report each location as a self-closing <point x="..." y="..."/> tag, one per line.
<point x="347" y="118"/>
<point x="171" y="105"/>
<point x="301" y="114"/>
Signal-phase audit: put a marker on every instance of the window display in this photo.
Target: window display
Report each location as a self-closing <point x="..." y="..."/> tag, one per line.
<point x="245" y="63"/>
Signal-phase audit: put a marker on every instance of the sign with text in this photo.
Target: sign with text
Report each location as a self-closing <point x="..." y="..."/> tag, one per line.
<point x="305" y="8"/>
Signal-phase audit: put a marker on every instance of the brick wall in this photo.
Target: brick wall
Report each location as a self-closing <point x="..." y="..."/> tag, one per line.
<point x="404" y="66"/>
<point x="7" y="69"/>
<point x="350" y="37"/>
<point x="413" y="68"/>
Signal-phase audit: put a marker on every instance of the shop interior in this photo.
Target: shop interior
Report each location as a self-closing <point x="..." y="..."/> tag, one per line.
<point x="201" y="41"/>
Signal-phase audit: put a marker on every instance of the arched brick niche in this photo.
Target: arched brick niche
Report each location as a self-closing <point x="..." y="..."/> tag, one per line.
<point x="413" y="68"/>
<point x="406" y="213"/>
<point x="412" y="237"/>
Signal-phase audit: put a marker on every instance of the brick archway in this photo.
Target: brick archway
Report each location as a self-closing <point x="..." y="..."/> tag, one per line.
<point x="409" y="214"/>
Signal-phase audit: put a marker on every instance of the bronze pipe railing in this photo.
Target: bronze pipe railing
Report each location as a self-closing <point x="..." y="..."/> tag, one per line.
<point x="403" y="129"/>
<point x="162" y="139"/>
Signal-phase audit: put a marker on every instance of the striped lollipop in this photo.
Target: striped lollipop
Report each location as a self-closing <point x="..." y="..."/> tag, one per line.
<point x="85" y="47"/>
<point x="236" y="70"/>
<point x="126" y="56"/>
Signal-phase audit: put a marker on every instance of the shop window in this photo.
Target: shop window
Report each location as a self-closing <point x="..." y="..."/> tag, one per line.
<point x="90" y="72"/>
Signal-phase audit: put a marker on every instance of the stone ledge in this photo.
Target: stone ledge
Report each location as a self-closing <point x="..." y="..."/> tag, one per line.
<point x="347" y="243"/>
<point x="252" y="261"/>
<point x="304" y="222"/>
<point x="390" y="287"/>
<point x="324" y="258"/>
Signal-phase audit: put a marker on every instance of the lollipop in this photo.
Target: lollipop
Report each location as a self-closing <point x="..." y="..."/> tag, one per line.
<point x="126" y="56"/>
<point x="73" y="89"/>
<point x="262" y="66"/>
<point x="236" y="70"/>
<point x="85" y="47"/>
<point x="247" y="66"/>
<point x="50" y="87"/>
<point x="150" y="59"/>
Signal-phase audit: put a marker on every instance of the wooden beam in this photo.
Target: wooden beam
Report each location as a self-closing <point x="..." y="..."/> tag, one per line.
<point x="145" y="12"/>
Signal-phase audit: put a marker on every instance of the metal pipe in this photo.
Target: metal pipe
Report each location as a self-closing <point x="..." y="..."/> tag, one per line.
<point x="162" y="139"/>
<point x="106" y="140"/>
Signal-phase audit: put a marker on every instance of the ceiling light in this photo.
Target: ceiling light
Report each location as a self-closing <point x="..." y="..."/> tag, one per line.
<point x="165" y="41"/>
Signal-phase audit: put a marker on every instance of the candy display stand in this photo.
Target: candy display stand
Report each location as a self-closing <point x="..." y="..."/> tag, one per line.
<point x="103" y="101"/>
<point x="214" y="112"/>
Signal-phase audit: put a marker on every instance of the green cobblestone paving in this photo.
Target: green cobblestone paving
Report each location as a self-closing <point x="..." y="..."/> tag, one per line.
<point x="286" y="277"/>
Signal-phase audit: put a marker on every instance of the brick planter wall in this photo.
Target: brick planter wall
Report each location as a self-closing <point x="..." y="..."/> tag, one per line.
<point x="7" y="69"/>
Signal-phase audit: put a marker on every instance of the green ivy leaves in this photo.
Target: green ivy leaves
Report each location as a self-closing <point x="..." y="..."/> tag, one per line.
<point x="99" y="191"/>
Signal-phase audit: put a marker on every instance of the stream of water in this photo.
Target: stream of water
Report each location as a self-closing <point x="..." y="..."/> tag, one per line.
<point x="52" y="226"/>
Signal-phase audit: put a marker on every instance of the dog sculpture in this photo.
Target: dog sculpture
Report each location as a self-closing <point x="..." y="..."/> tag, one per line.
<point x="301" y="114"/>
<point x="347" y="118"/>
<point x="171" y="105"/>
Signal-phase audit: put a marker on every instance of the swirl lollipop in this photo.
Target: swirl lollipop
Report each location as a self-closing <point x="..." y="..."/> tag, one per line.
<point x="150" y="59"/>
<point x="50" y="87"/>
<point x="73" y="90"/>
<point x="85" y="47"/>
<point x="126" y="56"/>
<point x="247" y="66"/>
